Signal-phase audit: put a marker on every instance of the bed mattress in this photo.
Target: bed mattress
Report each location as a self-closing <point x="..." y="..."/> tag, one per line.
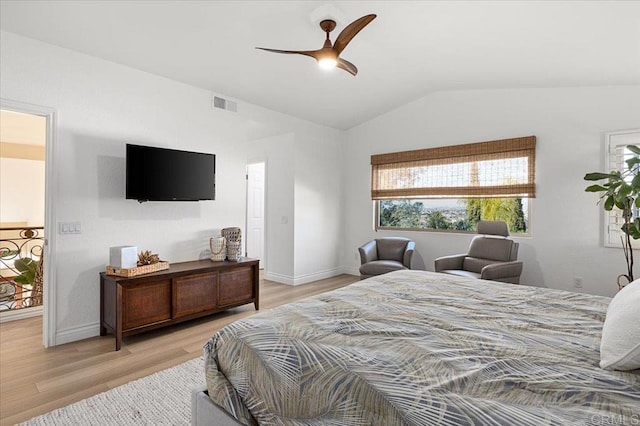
<point x="421" y="348"/>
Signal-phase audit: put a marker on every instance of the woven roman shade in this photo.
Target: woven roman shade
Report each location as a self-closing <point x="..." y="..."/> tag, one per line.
<point x="494" y="169"/>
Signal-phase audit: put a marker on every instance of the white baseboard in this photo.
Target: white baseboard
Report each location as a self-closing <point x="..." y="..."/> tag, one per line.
<point x="77" y="333"/>
<point x="279" y="278"/>
<point x="307" y="278"/>
<point x="14" y="315"/>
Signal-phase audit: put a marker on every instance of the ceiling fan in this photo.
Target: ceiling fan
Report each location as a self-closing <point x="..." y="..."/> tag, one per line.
<point x="329" y="56"/>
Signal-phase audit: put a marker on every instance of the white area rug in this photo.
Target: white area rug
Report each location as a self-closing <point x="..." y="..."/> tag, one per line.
<point x="164" y="398"/>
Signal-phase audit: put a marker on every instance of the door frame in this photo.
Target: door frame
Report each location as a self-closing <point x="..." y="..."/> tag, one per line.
<point x="50" y="191"/>
<point x="263" y="262"/>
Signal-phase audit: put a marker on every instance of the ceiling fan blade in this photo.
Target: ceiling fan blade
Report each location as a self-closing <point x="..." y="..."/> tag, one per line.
<point x="312" y="53"/>
<point x="343" y="64"/>
<point x="350" y="32"/>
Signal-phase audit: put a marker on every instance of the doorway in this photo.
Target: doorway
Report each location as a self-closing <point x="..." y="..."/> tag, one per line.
<point x="255" y="241"/>
<point x="42" y="221"/>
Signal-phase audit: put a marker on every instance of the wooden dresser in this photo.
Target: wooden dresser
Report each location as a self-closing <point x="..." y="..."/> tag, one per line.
<point x="185" y="291"/>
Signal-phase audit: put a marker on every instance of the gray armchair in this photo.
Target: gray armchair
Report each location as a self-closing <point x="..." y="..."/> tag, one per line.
<point x="384" y="255"/>
<point x="491" y="256"/>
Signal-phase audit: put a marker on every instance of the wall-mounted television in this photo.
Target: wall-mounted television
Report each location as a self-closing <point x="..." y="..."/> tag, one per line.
<point x="160" y="174"/>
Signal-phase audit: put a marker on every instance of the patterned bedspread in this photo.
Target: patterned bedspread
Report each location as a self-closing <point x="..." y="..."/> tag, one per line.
<point x="420" y="348"/>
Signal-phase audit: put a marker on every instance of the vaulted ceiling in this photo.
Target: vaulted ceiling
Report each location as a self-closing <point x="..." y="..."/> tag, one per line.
<point x="412" y="49"/>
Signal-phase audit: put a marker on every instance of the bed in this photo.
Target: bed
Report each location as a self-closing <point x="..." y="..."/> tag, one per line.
<point x="418" y="348"/>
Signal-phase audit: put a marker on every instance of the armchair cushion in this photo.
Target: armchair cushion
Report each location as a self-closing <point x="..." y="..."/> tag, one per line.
<point x="461" y="273"/>
<point x="378" y="267"/>
<point x="491" y="248"/>
<point x="391" y="248"/>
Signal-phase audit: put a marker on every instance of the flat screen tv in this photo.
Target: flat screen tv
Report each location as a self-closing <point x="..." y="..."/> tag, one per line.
<point x="160" y="174"/>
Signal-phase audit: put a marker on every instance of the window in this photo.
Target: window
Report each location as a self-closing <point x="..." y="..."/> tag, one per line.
<point x="616" y="154"/>
<point x="451" y="188"/>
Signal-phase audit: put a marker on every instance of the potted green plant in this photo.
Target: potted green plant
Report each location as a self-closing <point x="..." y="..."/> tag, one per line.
<point x="27" y="268"/>
<point x="621" y="189"/>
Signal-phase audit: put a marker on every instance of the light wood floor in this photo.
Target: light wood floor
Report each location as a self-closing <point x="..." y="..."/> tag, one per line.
<point x="35" y="380"/>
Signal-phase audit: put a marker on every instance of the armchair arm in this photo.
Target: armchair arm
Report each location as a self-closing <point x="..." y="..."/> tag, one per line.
<point x="368" y="252"/>
<point x="497" y="271"/>
<point x="449" y="262"/>
<point x="408" y="254"/>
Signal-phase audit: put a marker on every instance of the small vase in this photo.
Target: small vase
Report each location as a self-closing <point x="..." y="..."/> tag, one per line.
<point x="218" y="246"/>
<point x="233" y="250"/>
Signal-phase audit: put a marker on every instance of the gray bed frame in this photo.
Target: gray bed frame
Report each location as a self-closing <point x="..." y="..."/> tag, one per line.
<point x="205" y="412"/>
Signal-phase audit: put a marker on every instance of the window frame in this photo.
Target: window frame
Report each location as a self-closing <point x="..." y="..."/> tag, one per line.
<point x="454" y="156"/>
<point x="614" y="140"/>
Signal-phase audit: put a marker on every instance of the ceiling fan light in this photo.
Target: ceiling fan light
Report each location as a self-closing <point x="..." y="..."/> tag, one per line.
<point x="327" y="63"/>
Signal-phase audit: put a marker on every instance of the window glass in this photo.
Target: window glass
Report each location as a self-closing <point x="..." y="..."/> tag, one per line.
<point x="458" y="215"/>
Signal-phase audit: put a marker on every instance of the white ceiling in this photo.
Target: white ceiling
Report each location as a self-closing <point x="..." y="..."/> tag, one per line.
<point x="412" y="49"/>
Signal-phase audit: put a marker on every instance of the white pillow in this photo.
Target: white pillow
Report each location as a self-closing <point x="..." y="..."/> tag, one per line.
<point x="620" y="344"/>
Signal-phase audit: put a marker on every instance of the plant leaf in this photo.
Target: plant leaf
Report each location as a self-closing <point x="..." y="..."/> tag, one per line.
<point x="624" y="190"/>
<point x="634" y="148"/>
<point x="24" y="265"/>
<point x="597" y="176"/>
<point x="608" y="203"/>
<point x="632" y="162"/>
<point x="595" y="188"/>
<point x="27" y="268"/>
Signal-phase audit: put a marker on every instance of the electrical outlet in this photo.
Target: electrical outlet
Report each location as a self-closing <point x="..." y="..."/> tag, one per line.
<point x="577" y="282"/>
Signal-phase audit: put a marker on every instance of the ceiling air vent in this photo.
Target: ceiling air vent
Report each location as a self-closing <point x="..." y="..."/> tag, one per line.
<point x="222" y="103"/>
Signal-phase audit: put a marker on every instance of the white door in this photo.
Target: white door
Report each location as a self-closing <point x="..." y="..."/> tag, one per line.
<point x="255" y="211"/>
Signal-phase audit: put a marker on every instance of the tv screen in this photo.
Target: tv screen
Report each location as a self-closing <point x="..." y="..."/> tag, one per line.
<point x="160" y="174"/>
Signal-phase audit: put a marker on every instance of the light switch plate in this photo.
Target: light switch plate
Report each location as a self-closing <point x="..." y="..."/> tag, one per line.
<point x="69" y="228"/>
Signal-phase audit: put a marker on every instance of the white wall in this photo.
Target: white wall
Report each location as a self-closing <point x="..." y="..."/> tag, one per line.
<point x="304" y="212"/>
<point x="22" y="191"/>
<point x="100" y="107"/>
<point x="566" y="236"/>
<point x="278" y="154"/>
<point x="318" y="204"/>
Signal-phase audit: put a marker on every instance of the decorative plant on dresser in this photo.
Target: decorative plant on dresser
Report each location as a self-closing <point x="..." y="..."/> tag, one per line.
<point x="621" y="189"/>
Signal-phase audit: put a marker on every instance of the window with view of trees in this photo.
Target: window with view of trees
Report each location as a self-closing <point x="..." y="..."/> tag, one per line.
<point x="452" y="188"/>
<point x="454" y="214"/>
